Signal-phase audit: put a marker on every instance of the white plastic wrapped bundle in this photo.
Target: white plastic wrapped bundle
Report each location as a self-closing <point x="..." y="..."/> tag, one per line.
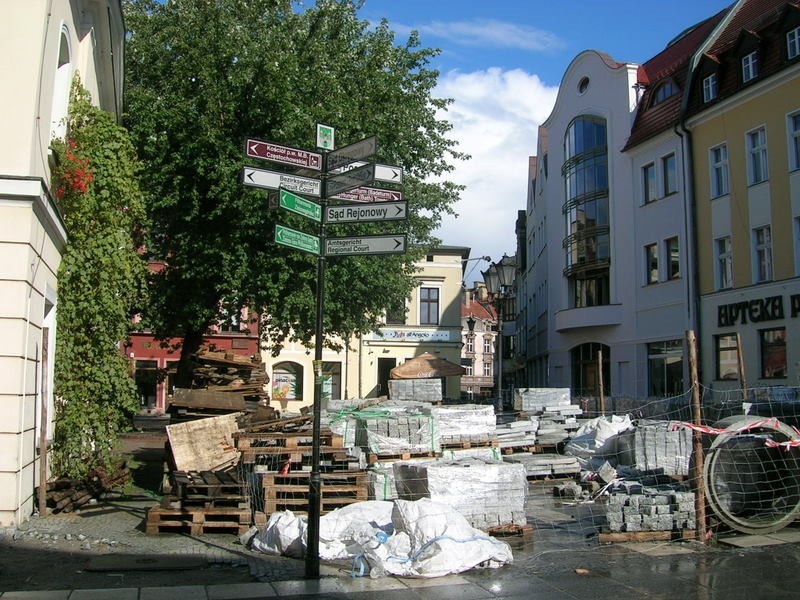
<point x="465" y="422"/>
<point x="397" y="432"/>
<point x="534" y="400"/>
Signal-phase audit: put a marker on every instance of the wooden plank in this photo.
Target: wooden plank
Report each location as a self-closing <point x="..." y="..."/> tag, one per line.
<point x="645" y="536"/>
<point x="205" y="444"/>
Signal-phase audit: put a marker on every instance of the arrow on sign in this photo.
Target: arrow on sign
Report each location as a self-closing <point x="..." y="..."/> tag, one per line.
<point x="387" y="173"/>
<point x="272" y="180"/>
<point x="298" y="240"/>
<point x="359" y="213"/>
<point x="282" y="154"/>
<point x="350" y="179"/>
<point x="368" y="244"/>
<point x="348" y="154"/>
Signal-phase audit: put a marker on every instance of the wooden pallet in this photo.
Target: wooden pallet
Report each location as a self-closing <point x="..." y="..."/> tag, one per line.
<point x="208" y="488"/>
<point x="374" y="458"/>
<point x="197" y="521"/>
<point x="466" y="445"/>
<point x="280" y="441"/>
<point x="290" y="492"/>
<point x="611" y="537"/>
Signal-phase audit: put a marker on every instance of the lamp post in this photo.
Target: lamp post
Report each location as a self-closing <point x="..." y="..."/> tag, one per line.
<point x="499" y="277"/>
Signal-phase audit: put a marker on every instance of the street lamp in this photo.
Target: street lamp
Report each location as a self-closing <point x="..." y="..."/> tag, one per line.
<point x="499" y="277"/>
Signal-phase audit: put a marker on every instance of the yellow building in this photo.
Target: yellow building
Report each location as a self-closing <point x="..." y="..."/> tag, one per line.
<point x="744" y="123"/>
<point x="432" y="323"/>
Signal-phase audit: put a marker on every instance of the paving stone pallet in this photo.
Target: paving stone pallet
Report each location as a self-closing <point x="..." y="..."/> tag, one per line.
<point x="197" y="521"/>
<point x="374" y="458"/>
<point x="290" y="491"/>
<point x="467" y="444"/>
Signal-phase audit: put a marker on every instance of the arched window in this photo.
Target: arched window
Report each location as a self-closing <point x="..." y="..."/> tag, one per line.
<point x="287" y="381"/>
<point x="61" y="85"/>
<point x="664" y="91"/>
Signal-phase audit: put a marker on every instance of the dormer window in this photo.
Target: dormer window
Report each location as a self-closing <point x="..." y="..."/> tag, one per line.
<point x="793" y="43"/>
<point x="749" y="67"/>
<point x="710" y="88"/>
<point x="664" y="91"/>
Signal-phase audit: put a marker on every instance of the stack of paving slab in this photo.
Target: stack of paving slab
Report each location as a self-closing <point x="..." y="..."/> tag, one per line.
<point x="658" y="447"/>
<point x="338" y="416"/>
<point x="487" y="493"/>
<point x="394" y="429"/>
<point x="546" y="465"/>
<point x="552" y="408"/>
<point x="517" y="434"/>
<point x="465" y="423"/>
<point x="650" y="509"/>
<point x="419" y="390"/>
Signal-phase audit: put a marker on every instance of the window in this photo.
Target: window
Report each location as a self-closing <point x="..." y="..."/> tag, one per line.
<point x="470" y="344"/>
<point x="773" y="353"/>
<point x="727" y="357"/>
<point x="797" y="245"/>
<point x="428" y="306"/>
<point x="793" y="43"/>
<point x="664" y="91"/>
<point x="670" y="174"/>
<point x="396" y="315"/>
<point x="710" y="88"/>
<point x="649" y="182"/>
<point x="673" y="258"/>
<point x="651" y="263"/>
<point x="332" y="380"/>
<point x="724" y="274"/>
<point x="665" y="368"/>
<point x="718" y="158"/>
<point x="749" y="67"/>
<point x="794" y="141"/>
<point x="287" y="381"/>
<point x="146" y="378"/>
<point x="487" y="345"/>
<point x="757" y="156"/>
<point x="586" y="372"/>
<point x="487" y="369"/>
<point x="762" y="246"/>
<point x="468" y="369"/>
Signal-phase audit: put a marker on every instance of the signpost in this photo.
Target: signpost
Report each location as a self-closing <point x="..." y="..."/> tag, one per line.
<point x="299" y="205"/>
<point x="282" y="154"/>
<point x="367" y="244"/>
<point x="359" y="213"/>
<point x="286" y="236"/>
<point x="350" y="174"/>
<point x="272" y="180"/>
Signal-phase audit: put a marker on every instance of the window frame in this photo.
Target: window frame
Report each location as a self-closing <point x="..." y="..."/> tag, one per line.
<point x="427" y="305"/>
<point x="673" y="263"/>
<point x="651" y="266"/>
<point x="750" y="66"/>
<point x="793" y="43"/>
<point x="732" y="356"/>
<point x="757" y="159"/>
<point x="718" y="165"/>
<point x="649" y="183"/>
<point x="765" y="345"/>
<point x="710" y="88"/>
<point x="723" y="273"/>
<point x="669" y="167"/>
<point x="762" y="254"/>
<point x="793" y="139"/>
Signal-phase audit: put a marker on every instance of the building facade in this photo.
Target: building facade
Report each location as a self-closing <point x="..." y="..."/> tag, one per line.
<point x="50" y="42"/>
<point x="479" y="345"/>
<point x="744" y="117"/>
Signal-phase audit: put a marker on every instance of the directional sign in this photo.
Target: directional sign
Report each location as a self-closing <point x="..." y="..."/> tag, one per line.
<point x="299" y="205"/>
<point x="369" y="194"/>
<point x="368" y="244"/>
<point x="283" y="154"/>
<point x="387" y="173"/>
<point x="272" y="180"/>
<point x="359" y="213"/>
<point x="350" y="179"/>
<point x="348" y="154"/>
<point x="296" y="239"/>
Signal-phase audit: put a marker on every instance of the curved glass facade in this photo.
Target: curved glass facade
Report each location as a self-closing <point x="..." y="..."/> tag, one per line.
<point x="587" y="244"/>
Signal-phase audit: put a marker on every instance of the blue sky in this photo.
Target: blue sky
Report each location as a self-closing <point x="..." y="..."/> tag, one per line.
<point x="502" y="62"/>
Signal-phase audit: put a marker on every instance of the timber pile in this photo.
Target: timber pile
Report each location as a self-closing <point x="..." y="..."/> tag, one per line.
<point x="222" y="383"/>
<point x="66" y="495"/>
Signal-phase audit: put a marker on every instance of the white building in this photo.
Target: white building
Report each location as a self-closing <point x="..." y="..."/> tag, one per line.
<point x="44" y="45"/>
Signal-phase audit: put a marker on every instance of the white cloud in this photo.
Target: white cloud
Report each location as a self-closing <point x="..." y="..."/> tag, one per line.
<point x="495" y="117"/>
<point x="490" y="32"/>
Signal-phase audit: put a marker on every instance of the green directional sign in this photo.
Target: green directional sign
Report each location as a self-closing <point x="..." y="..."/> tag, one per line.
<point x="298" y="204"/>
<point x="296" y="239"/>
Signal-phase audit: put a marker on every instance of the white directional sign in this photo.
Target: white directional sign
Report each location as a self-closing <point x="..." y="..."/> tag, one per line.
<point x="350" y="179"/>
<point x="360" y="213"/>
<point x="386" y="173"/>
<point x="368" y="244"/>
<point x="272" y="180"/>
<point x="283" y="154"/>
<point x="369" y="194"/>
<point x="348" y="154"/>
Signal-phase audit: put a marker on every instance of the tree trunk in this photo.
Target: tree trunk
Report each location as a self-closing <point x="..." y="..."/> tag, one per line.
<point x="192" y="341"/>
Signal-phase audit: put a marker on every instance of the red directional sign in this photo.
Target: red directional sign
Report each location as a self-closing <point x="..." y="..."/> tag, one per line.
<point x="369" y="194"/>
<point x="282" y="154"/>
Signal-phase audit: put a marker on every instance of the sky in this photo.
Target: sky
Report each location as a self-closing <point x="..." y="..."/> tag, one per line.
<point x="501" y="62"/>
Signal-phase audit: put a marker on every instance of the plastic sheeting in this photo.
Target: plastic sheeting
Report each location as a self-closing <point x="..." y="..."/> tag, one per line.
<point x="418" y="538"/>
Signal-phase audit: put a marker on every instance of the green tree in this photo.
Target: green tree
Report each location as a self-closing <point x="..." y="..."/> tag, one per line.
<point x="101" y="281"/>
<point x="265" y="70"/>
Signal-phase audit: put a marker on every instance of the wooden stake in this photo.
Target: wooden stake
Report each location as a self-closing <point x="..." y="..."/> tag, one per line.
<point x="697" y="419"/>
<point x="600" y="379"/>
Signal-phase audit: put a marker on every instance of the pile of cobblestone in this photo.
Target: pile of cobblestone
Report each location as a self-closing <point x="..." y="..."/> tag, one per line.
<point x="650" y="509"/>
